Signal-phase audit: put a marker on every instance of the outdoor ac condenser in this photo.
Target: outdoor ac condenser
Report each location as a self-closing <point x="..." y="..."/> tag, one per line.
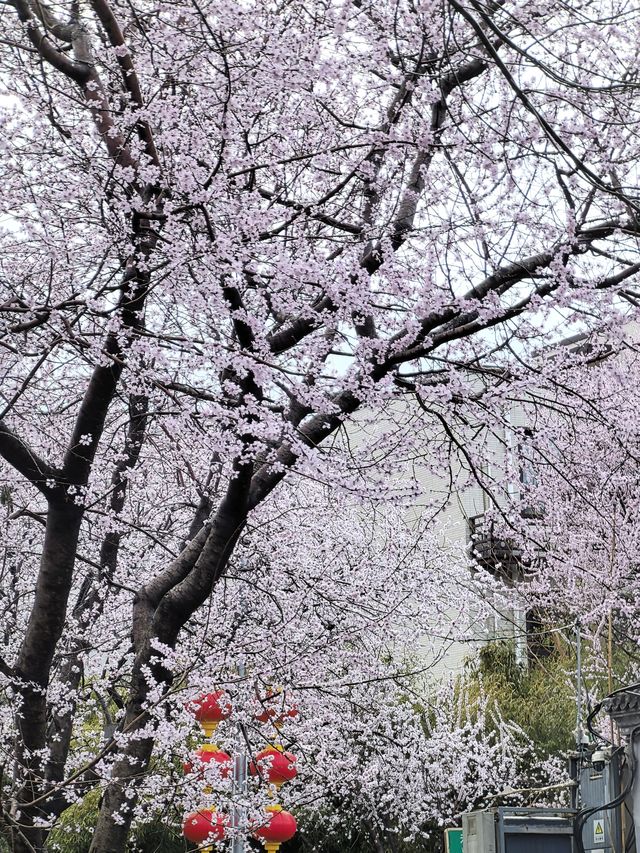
<point x="510" y="830"/>
<point x="479" y="832"/>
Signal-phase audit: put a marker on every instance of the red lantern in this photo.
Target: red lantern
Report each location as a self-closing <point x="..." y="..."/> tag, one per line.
<point x="210" y="709"/>
<point x="278" y="827"/>
<point x="273" y="710"/>
<point x="205" y="825"/>
<point x="205" y="755"/>
<point x="275" y="716"/>
<point x="276" y="766"/>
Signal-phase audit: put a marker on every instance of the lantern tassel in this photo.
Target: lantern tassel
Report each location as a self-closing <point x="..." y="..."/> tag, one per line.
<point x="209" y="727"/>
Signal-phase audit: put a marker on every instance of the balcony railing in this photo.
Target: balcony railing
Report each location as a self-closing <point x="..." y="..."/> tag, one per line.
<point x="494" y="553"/>
<point x="500" y="554"/>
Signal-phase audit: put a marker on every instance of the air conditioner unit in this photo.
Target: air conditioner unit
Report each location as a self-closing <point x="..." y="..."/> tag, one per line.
<point x="479" y="832"/>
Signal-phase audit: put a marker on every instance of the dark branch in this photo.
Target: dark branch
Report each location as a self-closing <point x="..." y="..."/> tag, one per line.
<point x="21" y="457"/>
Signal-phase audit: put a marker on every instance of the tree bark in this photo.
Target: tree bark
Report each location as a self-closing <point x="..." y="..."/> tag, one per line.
<point x="33" y="666"/>
<point x="91" y="598"/>
<point x="116" y="810"/>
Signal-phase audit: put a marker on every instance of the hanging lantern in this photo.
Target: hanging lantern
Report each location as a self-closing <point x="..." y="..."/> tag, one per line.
<point x="277" y="716"/>
<point x="210" y="709"/>
<point x="278" y="827"/>
<point x="276" y="766"/>
<point x="205" y="825"/>
<point x="207" y="754"/>
<point x="273" y="710"/>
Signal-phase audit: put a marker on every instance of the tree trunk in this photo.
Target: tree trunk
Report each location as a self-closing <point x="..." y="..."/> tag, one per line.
<point x="116" y="810"/>
<point x="33" y="668"/>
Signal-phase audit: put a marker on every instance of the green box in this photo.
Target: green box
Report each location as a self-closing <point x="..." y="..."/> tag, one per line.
<point x="453" y="840"/>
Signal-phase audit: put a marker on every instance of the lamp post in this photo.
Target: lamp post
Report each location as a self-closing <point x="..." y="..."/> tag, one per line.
<point x="239" y="787"/>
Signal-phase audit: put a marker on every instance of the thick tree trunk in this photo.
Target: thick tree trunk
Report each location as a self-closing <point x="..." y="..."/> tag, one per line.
<point x="91" y="600"/>
<point x="116" y="811"/>
<point x="33" y="666"/>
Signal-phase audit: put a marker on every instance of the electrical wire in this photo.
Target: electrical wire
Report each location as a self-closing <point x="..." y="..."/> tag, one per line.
<point x="630" y="841"/>
<point x="598" y="736"/>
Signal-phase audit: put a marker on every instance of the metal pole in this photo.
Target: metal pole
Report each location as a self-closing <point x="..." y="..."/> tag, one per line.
<point x="239" y="786"/>
<point x="578" y="688"/>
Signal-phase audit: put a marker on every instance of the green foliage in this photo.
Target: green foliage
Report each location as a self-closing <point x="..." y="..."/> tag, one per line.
<point x="540" y="695"/>
<point x="157" y="836"/>
<point x="540" y="699"/>
<point x="73" y="832"/>
<point x="73" y="835"/>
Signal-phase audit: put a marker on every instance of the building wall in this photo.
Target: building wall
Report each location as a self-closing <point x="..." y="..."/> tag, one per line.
<point x="463" y="500"/>
<point x="447" y="501"/>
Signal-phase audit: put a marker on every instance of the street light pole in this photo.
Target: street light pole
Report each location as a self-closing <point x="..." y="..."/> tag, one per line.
<point x="239" y="786"/>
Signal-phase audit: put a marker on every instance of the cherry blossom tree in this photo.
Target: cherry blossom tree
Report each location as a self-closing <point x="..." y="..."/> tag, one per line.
<point x="228" y="231"/>
<point x="348" y="629"/>
<point x="454" y="756"/>
<point x="574" y="522"/>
